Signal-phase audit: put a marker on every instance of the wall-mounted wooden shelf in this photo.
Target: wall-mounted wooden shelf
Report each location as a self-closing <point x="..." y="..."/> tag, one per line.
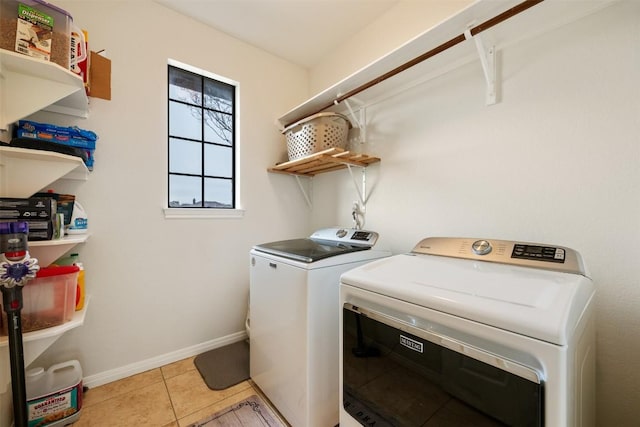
<point x="324" y="161"/>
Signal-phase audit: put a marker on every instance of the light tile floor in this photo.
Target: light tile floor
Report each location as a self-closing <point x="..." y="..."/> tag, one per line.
<point x="174" y="395"/>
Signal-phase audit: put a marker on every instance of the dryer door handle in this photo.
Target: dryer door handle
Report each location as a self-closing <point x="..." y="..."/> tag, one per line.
<point x="273" y="265"/>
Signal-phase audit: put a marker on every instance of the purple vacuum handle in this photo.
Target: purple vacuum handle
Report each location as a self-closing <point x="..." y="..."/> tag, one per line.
<point x="16" y="266"/>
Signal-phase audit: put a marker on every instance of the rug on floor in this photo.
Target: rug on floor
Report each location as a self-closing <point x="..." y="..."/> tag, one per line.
<point x="251" y="412"/>
<point x="223" y="367"/>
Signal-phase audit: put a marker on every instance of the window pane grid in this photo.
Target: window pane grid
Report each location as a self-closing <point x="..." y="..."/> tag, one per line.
<point x="213" y="186"/>
<point x="190" y="104"/>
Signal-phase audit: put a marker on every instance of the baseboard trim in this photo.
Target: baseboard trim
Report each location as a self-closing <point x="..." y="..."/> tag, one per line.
<point x="158" y="361"/>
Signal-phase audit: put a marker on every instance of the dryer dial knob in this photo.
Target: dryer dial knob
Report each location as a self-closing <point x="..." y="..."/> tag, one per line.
<point x="481" y="247"/>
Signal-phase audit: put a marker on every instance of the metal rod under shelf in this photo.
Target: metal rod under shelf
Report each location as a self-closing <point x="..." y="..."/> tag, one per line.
<point x="433" y="52"/>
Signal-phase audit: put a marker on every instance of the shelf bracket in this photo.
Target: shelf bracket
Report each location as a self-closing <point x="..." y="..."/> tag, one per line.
<point x="361" y="188"/>
<point x="488" y="61"/>
<point x="323" y="161"/>
<point x="304" y="192"/>
<point x="359" y="123"/>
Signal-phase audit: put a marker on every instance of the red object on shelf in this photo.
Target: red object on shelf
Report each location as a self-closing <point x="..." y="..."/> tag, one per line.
<point x="57" y="270"/>
<point x="48" y="300"/>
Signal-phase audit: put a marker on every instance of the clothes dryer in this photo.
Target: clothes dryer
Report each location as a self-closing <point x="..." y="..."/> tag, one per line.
<point x="469" y="332"/>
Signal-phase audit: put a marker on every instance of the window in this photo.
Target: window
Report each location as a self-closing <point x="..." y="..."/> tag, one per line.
<point x="201" y="139"/>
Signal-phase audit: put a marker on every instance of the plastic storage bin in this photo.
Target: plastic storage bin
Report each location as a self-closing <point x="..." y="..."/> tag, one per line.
<point x="45" y="32"/>
<point x="48" y="300"/>
<point x="54" y="396"/>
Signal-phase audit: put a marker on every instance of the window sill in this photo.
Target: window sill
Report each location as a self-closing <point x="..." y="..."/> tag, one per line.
<point x="189" y="213"/>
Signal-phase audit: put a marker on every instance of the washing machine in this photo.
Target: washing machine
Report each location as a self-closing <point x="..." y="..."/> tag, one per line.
<point x="462" y="332"/>
<point x="294" y="306"/>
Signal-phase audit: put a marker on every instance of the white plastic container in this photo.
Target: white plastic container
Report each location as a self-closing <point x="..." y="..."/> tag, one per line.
<point x="54" y="396"/>
<point x="36" y="28"/>
<point x="79" y="221"/>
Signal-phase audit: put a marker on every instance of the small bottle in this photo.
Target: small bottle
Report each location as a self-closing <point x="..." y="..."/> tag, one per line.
<point x="67" y="260"/>
<point x="80" y="291"/>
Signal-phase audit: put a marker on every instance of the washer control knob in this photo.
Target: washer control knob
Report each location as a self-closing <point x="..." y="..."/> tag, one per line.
<point x="341" y="233"/>
<point x="481" y="247"/>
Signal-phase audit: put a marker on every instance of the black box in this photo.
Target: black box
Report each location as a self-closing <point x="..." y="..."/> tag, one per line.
<point x="40" y="230"/>
<point x="64" y="202"/>
<point x="37" y="208"/>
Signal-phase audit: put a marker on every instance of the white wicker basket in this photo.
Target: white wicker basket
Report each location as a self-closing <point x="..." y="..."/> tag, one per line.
<point x="316" y="133"/>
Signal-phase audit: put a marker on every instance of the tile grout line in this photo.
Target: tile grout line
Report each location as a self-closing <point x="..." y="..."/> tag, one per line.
<point x="173" y="408"/>
<point x="165" y="376"/>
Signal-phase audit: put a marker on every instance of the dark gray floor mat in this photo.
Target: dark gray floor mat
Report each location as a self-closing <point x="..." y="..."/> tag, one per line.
<point x="225" y="366"/>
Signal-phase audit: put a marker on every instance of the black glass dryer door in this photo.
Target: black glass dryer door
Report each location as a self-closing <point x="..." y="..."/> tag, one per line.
<point x="395" y="376"/>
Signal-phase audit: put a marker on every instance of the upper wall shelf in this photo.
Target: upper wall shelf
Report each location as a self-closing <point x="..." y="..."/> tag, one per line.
<point x="47" y="251"/>
<point x="540" y="18"/>
<point x="24" y="171"/>
<point x="327" y="161"/>
<point x="324" y="161"/>
<point x="29" y="85"/>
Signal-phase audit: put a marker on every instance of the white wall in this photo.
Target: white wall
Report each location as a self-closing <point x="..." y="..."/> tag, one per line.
<point x="160" y="288"/>
<point x="556" y="161"/>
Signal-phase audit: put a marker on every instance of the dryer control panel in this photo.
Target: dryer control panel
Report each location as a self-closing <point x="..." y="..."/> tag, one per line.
<point x="538" y="253"/>
<point x="549" y="257"/>
<point x="349" y="236"/>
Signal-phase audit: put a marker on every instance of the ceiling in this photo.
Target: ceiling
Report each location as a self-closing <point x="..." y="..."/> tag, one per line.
<point x="300" y="31"/>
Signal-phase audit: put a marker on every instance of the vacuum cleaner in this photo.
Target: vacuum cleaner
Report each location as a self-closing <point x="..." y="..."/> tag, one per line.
<point x="16" y="269"/>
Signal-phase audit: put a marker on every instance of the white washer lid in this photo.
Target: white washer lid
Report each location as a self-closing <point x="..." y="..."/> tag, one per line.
<point x="541" y="304"/>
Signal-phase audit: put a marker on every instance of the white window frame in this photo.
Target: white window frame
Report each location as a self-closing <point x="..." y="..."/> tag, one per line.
<point x="204" y="213"/>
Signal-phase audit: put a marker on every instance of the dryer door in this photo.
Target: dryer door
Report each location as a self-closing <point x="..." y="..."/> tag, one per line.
<point x="395" y="374"/>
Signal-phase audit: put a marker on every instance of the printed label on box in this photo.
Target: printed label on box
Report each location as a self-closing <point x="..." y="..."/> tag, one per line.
<point x="34" y="33"/>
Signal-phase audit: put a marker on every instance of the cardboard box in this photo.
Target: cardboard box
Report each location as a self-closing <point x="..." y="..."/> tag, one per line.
<point x="48" y="300"/>
<point x="99" y="76"/>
